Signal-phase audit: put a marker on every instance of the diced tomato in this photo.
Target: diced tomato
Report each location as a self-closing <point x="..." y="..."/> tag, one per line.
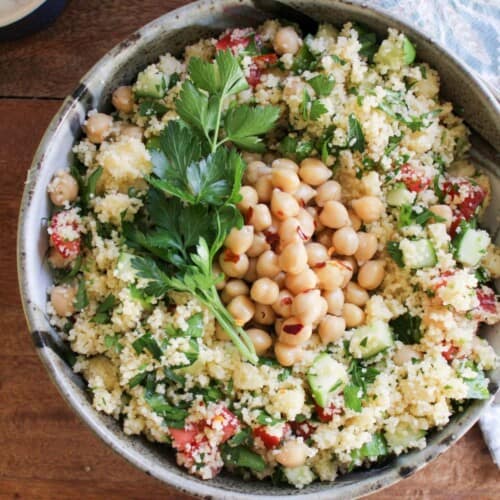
<point x="487" y="299"/>
<point x="225" y="420"/>
<point x="302" y="429"/>
<point x="61" y="224"/>
<point x="441" y="281"/>
<point x="415" y="181"/>
<point x="254" y="75"/>
<point x="232" y="41"/>
<point x="181" y="438"/>
<point x="265" y="60"/>
<point x="326" y="415"/>
<point x="450" y="353"/>
<point x="269" y="438"/>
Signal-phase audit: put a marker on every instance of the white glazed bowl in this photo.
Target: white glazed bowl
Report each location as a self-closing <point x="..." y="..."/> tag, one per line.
<point x="171" y="33"/>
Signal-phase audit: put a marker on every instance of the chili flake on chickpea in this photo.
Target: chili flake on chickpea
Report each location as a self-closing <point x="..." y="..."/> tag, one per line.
<point x="269" y="257"/>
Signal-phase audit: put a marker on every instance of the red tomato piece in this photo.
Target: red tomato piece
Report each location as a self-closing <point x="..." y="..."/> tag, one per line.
<point x="269" y="438"/>
<point x="326" y="415"/>
<point x="441" y="281"/>
<point x="181" y="438"/>
<point x="265" y="60"/>
<point x="302" y="429"/>
<point x="60" y="226"/>
<point x="254" y="75"/>
<point x="487" y="299"/>
<point x="232" y="41"/>
<point x="225" y="420"/>
<point x="450" y="353"/>
<point x="415" y="181"/>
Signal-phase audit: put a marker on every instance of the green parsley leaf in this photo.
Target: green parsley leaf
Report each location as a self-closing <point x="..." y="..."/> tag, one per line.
<point x="103" y="311"/>
<point x="406" y="328"/>
<point x="482" y="275"/>
<point x="81" y="300"/>
<point x="137" y="379"/>
<point x="240" y="456"/>
<point x="152" y="107"/>
<point x="392" y="143"/>
<point x="113" y="342"/>
<point x="174" y="377"/>
<point x="265" y="419"/>
<point x="355" y="137"/>
<point x="395" y="252"/>
<point x="173" y="416"/>
<point x="147" y="341"/>
<point x="242" y="437"/>
<point x="409" y="214"/>
<point x="322" y="85"/>
<point x="309" y="109"/>
<point x="304" y="60"/>
<point x="368" y="41"/>
<point x="352" y="399"/>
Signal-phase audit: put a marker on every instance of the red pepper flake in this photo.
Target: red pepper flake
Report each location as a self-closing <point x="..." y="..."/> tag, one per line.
<point x="450" y="353"/>
<point x="272" y="239"/>
<point x="319" y="265"/>
<point x="293" y="329"/>
<point x="249" y="215"/>
<point x="301" y="233"/>
<point x="286" y="301"/>
<point x="230" y="256"/>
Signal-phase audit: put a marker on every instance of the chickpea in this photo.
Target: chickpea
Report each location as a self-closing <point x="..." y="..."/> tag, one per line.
<point x="443" y="211"/>
<point x="292" y="454"/>
<point x="98" y="127"/>
<point x="264" y="314"/>
<point x="239" y="240"/>
<point x="334" y="215"/>
<point x="268" y="157"/>
<point x="220" y="333"/>
<point x="347" y="270"/>
<point x="355" y="220"/>
<point x="268" y="264"/>
<point x="249" y="156"/>
<point x="304" y="194"/>
<point x="289" y="231"/>
<point x="260" y="217"/>
<point x="249" y="198"/>
<point x="286" y="41"/>
<point x="367" y="246"/>
<point x="264" y="188"/>
<point x="368" y="208"/>
<point x="293" y="258"/>
<point x="255" y="169"/>
<point x="345" y="240"/>
<point x="328" y="191"/>
<point x="308" y="305"/>
<point x="285" y="179"/>
<point x="307" y="227"/>
<point x="371" y="274"/>
<point x="283" y="306"/>
<point x="325" y="238"/>
<point x="330" y="275"/>
<point x="294" y="332"/>
<point x="334" y="300"/>
<point x="62" y="189"/>
<point x="279" y="279"/>
<point x="298" y="283"/>
<point x="404" y="354"/>
<point x="353" y="315"/>
<point x="287" y="355"/>
<point x="234" y="288"/>
<point x="316" y="254"/>
<point x="242" y="309"/>
<point x="283" y="205"/>
<point x="354" y="294"/>
<point x="264" y="291"/>
<point x="217" y="272"/>
<point x="57" y="260"/>
<point x="233" y="265"/>
<point x="261" y="340"/>
<point x="259" y="245"/>
<point x="62" y="298"/>
<point x="331" y="329"/>
<point x="123" y="99"/>
<point x="314" y="213"/>
<point x="294" y="86"/>
<point x="286" y="164"/>
<point x="251" y="274"/>
<point x="127" y="130"/>
<point x="314" y="172"/>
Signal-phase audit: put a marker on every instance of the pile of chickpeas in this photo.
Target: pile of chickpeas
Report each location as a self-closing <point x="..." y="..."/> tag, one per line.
<point x="301" y="263"/>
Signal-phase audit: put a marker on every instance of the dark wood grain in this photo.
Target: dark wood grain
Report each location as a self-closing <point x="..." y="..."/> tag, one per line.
<point x="46" y="452"/>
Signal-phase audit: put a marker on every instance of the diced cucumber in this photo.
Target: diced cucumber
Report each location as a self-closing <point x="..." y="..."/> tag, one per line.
<point x="326" y="376"/>
<point x="471" y="246"/>
<point x="151" y="83"/>
<point x="418" y="253"/>
<point x="409" y="51"/>
<point x="124" y="269"/>
<point x="141" y="297"/>
<point x="403" y="436"/>
<point x="395" y="53"/>
<point x="299" y="476"/>
<point x="376" y="447"/>
<point x="399" y="196"/>
<point x="368" y="340"/>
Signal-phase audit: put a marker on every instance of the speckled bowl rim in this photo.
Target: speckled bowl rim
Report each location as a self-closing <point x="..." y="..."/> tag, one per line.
<point x="407" y="464"/>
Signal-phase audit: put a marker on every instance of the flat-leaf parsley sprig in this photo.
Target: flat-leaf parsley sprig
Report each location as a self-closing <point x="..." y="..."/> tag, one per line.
<point x="190" y="207"/>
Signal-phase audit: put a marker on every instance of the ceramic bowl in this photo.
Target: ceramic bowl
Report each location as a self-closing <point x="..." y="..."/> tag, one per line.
<point x="171" y="33"/>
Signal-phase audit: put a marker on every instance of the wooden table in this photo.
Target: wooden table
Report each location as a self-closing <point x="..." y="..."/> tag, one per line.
<point x="45" y="450"/>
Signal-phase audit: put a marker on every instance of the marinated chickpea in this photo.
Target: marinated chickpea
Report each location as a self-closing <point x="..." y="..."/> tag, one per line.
<point x="264" y="314"/>
<point x="353" y="315"/>
<point x="330" y="276"/>
<point x="355" y="220"/>
<point x="286" y="164"/>
<point x="287" y="355"/>
<point x="254" y="170"/>
<point x="331" y="329"/>
<point x="234" y="288"/>
<point x="345" y="240"/>
<point x="264" y="291"/>
<point x="368" y="208"/>
<point x="217" y="272"/>
<point x="56" y="260"/>
<point x="293" y="258"/>
<point x="314" y="213"/>
<point x="290" y="231"/>
<point x="268" y="264"/>
<point x="314" y="172"/>
<point x="283" y="306"/>
<point x="285" y="179"/>
<point x="249" y="198"/>
<point x="264" y="188"/>
<point x="260" y="218"/>
<point x="63" y="188"/>
<point x="329" y="191"/>
<point x="334" y="215"/>
<point x="335" y="301"/>
<point x="62" y="298"/>
<point x="239" y="240"/>
<point x="242" y="309"/>
<point x="232" y="265"/>
<point x="123" y="99"/>
<point x="220" y="333"/>
<point x="249" y="156"/>
<point x="132" y="131"/>
<point x="292" y="454"/>
<point x="316" y="254"/>
<point x="298" y="283"/>
<point x="347" y="269"/>
<point x="354" y="294"/>
<point x="443" y="211"/>
<point x="98" y="127"/>
<point x="325" y="238"/>
<point x="259" y="245"/>
<point x="261" y="340"/>
<point x="306" y="224"/>
<point x="404" y="354"/>
<point x="304" y="193"/>
<point x="283" y="205"/>
<point x="294" y="86"/>
<point x="286" y="41"/>
<point x="367" y="246"/>
<point x="294" y="332"/>
<point x="279" y="279"/>
<point x="251" y="274"/>
<point x="307" y="305"/>
<point x="371" y="274"/>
